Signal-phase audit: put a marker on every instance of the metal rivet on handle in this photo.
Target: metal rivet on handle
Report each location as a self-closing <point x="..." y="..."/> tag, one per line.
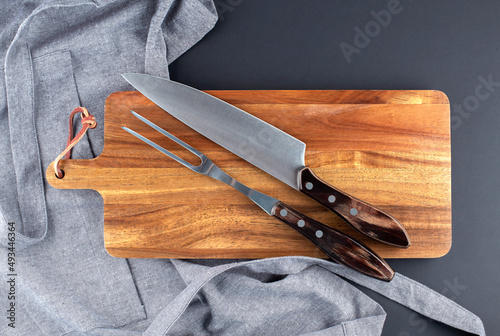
<point x="301" y="223"/>
<point x="309" y="185"/>
<point x="331" y="198"/>
<point x="354" y="212"/>
<point x="283" y="212"/>
<point x="319" y="233"/>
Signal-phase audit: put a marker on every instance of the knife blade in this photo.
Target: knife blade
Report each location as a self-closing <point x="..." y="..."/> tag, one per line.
<point x="268" y="148"/>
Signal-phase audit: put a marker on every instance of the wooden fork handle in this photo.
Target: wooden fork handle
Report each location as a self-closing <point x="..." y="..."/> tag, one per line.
<point x="335" y="244"/>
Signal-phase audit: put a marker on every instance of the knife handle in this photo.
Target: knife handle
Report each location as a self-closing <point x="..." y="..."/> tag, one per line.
<point x="362" y="216"/>
<point x="338" y="246"/>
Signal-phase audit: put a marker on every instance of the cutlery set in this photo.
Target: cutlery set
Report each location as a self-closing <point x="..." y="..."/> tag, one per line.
<point x="282" y="156"/>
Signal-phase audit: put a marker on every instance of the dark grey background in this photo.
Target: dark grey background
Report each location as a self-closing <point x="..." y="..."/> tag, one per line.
<point x="445" y="46"/>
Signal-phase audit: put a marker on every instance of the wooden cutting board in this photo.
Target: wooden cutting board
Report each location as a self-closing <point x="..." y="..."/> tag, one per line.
<point x="388" y="148"/>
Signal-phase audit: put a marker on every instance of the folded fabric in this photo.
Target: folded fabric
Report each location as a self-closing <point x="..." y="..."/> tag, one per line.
<point x="298" y="296"/>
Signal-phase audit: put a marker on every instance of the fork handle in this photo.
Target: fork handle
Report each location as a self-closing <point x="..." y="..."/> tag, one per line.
<point x="335" y="244"/>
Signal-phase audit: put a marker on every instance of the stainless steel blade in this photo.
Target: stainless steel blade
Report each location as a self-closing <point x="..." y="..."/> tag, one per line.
<point x="252" y="139"/>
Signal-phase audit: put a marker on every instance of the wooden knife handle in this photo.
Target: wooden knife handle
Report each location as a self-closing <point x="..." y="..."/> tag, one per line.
<point x="335" y="244"/>
<point x="362" y="216"/>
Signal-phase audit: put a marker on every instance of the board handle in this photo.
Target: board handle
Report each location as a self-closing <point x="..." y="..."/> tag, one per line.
<point x="338" y="246"/>
<point x="362" y="216"/>
<point x="77" y="174"/>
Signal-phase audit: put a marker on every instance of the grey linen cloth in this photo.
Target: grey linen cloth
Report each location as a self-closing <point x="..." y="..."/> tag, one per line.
<point x="57" y="55"/>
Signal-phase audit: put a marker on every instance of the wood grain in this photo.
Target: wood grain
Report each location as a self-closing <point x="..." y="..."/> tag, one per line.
<point x="388" y="148"/>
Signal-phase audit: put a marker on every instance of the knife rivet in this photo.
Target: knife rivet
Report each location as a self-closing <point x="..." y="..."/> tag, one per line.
<point x="301" y="223"/>
<point x="283" y="212"/>
<point x="331" y="198"/>
<point x="309" y="185"/>
<point x="319" y="233"/>
<point x="354" y="212"/>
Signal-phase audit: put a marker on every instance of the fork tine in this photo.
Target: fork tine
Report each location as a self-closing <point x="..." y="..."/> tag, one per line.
<point x="168" y="135"/>
<point x="161" y="149"/>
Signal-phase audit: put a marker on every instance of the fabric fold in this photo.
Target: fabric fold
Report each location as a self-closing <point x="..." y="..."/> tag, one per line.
<point x="369" y="316"/>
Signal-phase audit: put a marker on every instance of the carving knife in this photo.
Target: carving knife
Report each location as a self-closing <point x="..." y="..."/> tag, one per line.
<point x="267" y="148"/>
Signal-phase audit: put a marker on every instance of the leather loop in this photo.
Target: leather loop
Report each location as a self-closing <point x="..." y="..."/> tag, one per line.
<point x="88" y="121"/>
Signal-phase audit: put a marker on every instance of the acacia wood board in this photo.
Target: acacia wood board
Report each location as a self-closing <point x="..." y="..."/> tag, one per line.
<point x="388" y="148"/>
